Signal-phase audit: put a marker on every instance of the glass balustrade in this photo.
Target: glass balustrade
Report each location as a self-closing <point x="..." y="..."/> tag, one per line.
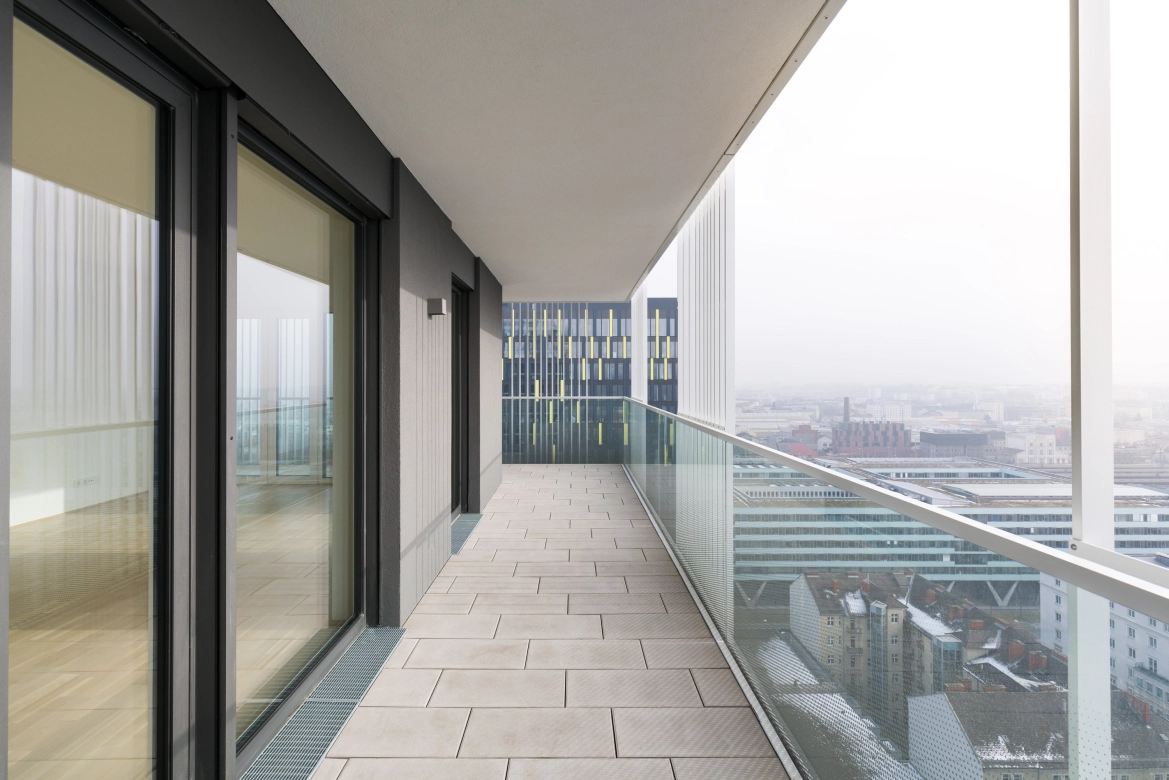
<point x="882" y="647"/>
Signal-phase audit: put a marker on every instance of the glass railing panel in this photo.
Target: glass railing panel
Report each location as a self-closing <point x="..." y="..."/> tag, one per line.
<point x="882" y="647"/>
<point x="564" y="430"/>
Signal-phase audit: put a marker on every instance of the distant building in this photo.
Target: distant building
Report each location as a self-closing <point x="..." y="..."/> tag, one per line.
<point x="982" y="444"/>
<point x="566" y="350"/>
<point x="583" y="350"/>
<point x="890" y="412"/>
<point x="996" y="411"/>
<point x="1010" y="736"/>
<point x="884" y="638"/>
<point x="1138" y="645"/>
<point x="662" y="351"/>
<point x="872" y="439"/>
<point x="793" y="523"/>
<point x="1039" y="449"/>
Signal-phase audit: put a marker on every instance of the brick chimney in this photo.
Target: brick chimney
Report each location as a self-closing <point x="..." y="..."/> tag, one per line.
<point x="835" y="586"/>
<point x="956" y="612"/>
<point x="975" y="625"/>
<point x="1015" y="651"/>
<point x="1036" y="661"/>
<point x="930" y="597"/>
<point x="866" y="586"/>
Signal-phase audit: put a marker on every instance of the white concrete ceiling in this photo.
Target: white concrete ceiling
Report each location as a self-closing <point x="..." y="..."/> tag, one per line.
<point x="564" y="138"/>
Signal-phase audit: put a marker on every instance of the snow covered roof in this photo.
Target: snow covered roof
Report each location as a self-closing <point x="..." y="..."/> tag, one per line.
<point x="854" y="603"/>
<point x="990" y="660"/>
<point x="927" y="622"/>
<point x="1013" y="729"/>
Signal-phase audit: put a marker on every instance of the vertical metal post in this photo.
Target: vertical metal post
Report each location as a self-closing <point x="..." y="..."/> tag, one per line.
<point x="1089" y="696"/>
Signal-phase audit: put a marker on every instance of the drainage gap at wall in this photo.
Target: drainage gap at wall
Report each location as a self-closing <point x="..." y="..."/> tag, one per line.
<point x="461" y="530"/>
<point x="299" y="746"/>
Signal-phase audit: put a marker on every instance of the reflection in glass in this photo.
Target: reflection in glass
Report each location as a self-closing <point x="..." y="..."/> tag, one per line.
<point x="884" y="648"/>
<point x="84" y="468"/>
<point x="294" y="445"/>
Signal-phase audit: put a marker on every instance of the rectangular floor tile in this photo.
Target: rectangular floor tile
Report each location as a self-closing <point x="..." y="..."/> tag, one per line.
<point x="520" y="604"/>
<point x="423" y="626"/>
<point x="468" y="654"/>
<point x="632" y="688"/>
<point x="520" y="543"/>
<point x="532" y="556"/>
<point x="607" y="554"/>
<point x="471" y="555"/>
<point x="549" y="627"/>
<point x="579" y="569"/>
<point x="653" y="584"/>
<point x="585" y="654"/>
<point x="713" y="732"/>
<point x="592" y="769"/>
<point x="724" y="768"/>
<point x="398" y="658"/>
<point x="656" y="554"/>
<point x="636" y="568"/>
<point x="499" y="688"/>
<point x="586" y="543"/>
<point x="471" y="568"/>
<point x="425" y="769"/>
<point x="682" y="654"/>
<point x="495" y="585"/>
<point x="679" y="602"/>
<point x="642" y="542"/>
<point x="719" y="688"/>
<point x="540" y="733"/>
<point x="329" y="769"/>
<point x="445" y="604"/>
<point x="582" y="585"/>
<point x="401" y="732"/>
<point x="671" y="626"/>
<point x="401" y="688"/>
<point x="614" y="603"/>
<point x="597" y="522"/>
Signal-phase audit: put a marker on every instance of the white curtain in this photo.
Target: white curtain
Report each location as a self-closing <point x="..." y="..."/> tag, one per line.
<point x="83" y="350"/>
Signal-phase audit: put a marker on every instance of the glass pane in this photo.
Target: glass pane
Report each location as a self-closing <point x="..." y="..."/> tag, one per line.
<point x="1140" y="271"/>
<point x="294" y="434"/>
<point x="930" y="205"/>
<point x="84" y="468"/>
<point x="882" y="647"/>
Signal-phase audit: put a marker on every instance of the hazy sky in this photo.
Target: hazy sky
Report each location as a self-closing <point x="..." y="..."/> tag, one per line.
<point x="902" y="209"/>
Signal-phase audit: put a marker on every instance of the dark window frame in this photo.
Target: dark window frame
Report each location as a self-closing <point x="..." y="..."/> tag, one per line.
<point x="91" y="36"/>
<point x="257" y="736"/>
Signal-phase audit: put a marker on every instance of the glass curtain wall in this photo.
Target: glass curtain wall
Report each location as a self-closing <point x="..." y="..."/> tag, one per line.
<point x="294" y="443"/>
<point x="85" y="468"/>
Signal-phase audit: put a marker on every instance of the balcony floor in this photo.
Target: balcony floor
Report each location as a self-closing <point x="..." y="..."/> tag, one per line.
<point x="561" y="643"/>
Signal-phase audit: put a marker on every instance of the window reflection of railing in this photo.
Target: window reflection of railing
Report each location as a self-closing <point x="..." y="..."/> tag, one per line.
<point x="247" y="403"/>
<point x="293" y="418"/>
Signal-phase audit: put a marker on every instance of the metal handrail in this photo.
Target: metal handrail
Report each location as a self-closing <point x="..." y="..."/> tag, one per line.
<point x="1117" y="577"/>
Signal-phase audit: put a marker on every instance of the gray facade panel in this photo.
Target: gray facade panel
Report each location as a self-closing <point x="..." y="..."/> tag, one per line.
<point x="486" y="383"/>
<point x="424" y="255"/>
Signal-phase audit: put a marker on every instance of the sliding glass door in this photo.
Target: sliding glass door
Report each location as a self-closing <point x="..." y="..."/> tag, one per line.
<point x="294" y="450"/>
<point x="85" y="455"/>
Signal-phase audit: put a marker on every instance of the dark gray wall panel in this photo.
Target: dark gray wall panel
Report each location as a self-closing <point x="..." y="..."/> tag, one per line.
<point x="486" y="386"/>
<point x="424" y="254"/>
<point x="246" y="43"/>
